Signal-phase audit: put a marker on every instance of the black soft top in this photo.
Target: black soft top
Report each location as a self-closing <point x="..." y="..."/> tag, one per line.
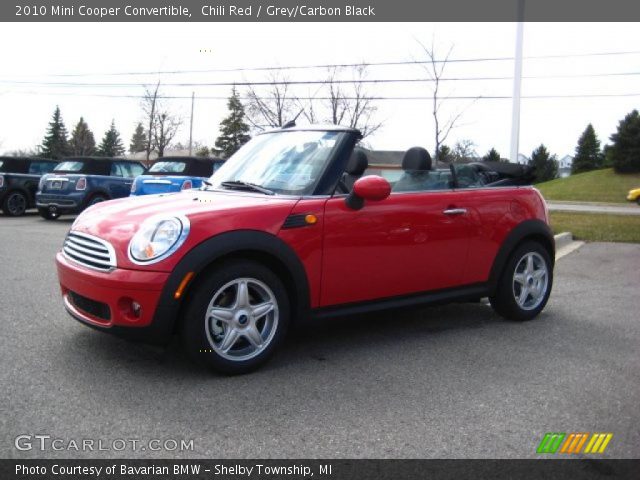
<point x="20" y="164"/>
<point x="195" y="166"/>
<point x="94" y="165"/>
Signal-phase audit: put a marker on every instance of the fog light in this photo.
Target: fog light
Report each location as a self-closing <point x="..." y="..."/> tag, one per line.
<point x="136" y="309"/>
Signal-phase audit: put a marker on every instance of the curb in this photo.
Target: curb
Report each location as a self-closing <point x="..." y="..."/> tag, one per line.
<point x="565" y="244"/>
<point x="563" y="239"/>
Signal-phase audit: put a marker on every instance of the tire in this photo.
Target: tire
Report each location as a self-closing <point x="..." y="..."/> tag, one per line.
<point x="96" y="199"/>
<point x="238" y="339"/>
<point x="511" y="301"/>
<point x="15" y="204"/>
<point x="47" y="214"/>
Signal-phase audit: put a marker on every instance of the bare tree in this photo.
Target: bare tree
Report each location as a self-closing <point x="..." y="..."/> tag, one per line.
<point x="464" y="150"/>
<point x="165" y="129"/>
<point x="435" y="70"/>
<point x="272" y="107"/>
<point x="149" y="107"/>
<point x="162" y="124"/>
<point x="349" y="103"/>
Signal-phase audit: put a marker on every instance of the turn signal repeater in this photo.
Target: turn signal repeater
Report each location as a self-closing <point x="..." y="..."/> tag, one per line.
<point x="310" y="219"/>
<point x="183" y="284"/>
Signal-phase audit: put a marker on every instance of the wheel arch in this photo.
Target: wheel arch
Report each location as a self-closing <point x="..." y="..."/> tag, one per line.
<point x="532" y="229"/>
<point x="254" y="245"/>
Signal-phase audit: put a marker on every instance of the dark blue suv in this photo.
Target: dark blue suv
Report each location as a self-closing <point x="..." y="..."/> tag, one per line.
<point x="77" y="183"/>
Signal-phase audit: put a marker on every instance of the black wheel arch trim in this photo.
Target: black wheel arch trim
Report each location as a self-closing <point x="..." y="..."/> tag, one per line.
<point x="225" y="245"/>
<point x="529" y="229"/>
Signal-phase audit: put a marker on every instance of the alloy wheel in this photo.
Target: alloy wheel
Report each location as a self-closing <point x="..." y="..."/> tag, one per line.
<point x="241" y="319"/>
<point x="530" y="281"/>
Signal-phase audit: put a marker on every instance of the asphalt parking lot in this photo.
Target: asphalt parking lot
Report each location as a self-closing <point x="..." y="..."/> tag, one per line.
<point x="453" y="381"/>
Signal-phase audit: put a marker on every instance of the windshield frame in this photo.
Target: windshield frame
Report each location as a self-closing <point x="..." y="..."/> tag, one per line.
<point x="328" y="177"/>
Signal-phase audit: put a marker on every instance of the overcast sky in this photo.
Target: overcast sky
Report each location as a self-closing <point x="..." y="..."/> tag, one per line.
<point x="39" y="53"/>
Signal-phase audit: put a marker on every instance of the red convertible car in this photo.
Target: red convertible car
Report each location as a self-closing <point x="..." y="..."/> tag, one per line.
<point x="292" y="228"/>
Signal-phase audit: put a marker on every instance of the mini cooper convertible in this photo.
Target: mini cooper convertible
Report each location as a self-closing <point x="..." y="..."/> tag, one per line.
<point x="172" y="174"/>
<point x="292" y="228"/>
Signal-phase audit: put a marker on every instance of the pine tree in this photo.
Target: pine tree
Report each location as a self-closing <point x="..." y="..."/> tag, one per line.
<point x="624" y="154"/>
<point x="492" y="156"/>
<point x="588" y="155"/>
<point x="445" y="154"/>
<point x="82" y="142"/>
<point x="545" y="164"/>
<point x="111" y="145"/>
<point x="234" y="130"/>
<point x="55" y="144"/>
<point x="138" y="140"/>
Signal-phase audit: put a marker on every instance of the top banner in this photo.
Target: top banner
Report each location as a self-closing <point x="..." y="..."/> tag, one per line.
<point x="319" y="11"/>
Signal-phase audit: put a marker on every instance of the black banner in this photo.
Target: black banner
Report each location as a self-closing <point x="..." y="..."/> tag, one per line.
<point x="317" y="469"/>
<point x="317" y="10"/>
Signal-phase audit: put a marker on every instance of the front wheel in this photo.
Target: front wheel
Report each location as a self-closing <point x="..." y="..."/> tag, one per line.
<point x="236" y="318"/>
<point x="15" y="204"/>
<point x="525" y="284"/>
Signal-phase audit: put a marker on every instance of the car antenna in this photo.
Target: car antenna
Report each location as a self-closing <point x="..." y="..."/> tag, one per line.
<point x="292" y="123"/>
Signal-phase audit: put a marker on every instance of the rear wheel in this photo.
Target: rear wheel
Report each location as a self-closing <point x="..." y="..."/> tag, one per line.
<point x="236" y="318"/>
<point x="15" y="204"/>
<point x="525" y="285"/>
<point x="48" y="214"/>
<point x="96" y="199"/>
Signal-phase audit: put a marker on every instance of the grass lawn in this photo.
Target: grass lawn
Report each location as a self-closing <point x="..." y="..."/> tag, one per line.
<point x="597" y="186"/>
<point x="597" y="227"/>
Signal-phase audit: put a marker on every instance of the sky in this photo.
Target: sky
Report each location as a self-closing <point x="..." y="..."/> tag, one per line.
<point x="87" y="56"/>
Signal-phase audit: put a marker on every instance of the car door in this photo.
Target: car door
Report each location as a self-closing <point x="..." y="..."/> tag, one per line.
<point x="120" y="184"/>
<point x="408" y="243"/>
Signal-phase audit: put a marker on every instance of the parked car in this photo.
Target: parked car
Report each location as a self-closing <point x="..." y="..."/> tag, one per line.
<point x="634" y="195"/>
<point x="77" y="183"/>
<point x="19" y="178"/>
<point x="291" y="228"/>
<point x="172" y="174"/>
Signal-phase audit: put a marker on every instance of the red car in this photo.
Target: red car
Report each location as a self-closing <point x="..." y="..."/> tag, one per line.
<point x="290" y="228"/>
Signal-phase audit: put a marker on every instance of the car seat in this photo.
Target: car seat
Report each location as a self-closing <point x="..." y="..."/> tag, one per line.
<point x="416" y="164"/>
<point x="356" y="166"/>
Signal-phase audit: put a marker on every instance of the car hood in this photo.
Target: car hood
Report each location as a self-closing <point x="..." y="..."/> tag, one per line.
<point x="209" y="213"/>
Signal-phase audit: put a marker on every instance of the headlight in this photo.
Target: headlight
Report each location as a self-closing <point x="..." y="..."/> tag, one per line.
<point x="158" y="238"/>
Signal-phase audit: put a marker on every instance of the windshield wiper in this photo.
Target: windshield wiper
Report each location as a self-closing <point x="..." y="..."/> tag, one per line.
<point x="240" y="185"/>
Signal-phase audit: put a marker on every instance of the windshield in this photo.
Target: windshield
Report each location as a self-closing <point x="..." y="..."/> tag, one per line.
<point x="69" y="167"/>
<point x="282" y="162"/>
<point x="168" y="167"/>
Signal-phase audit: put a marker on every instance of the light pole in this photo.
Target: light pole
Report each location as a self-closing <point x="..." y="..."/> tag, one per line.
<point x="517" y="81"/>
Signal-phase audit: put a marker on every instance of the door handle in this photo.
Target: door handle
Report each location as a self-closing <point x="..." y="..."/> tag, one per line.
<point x="455" y="211"/>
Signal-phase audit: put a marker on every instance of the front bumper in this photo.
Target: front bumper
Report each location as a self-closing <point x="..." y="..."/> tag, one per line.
<point x="105" y="300"/>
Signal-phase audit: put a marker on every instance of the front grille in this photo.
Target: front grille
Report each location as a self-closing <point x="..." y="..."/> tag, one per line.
<point x="89" y="251"/>
<point x="92" y="307"/>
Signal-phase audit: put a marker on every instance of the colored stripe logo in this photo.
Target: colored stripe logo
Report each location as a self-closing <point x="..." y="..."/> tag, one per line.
<point x="574" y="442"/>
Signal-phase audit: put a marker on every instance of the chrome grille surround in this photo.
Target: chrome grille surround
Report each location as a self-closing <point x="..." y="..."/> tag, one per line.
<point x="89" y="251"/>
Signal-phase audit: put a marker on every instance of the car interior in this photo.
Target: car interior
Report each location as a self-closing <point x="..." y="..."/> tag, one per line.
<point x="417" y="174"/>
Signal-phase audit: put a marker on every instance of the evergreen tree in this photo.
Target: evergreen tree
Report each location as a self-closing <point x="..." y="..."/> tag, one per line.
<point x="82" y="142"/>
<point x="588" y="155"/>
<point x="624" y="154"/>
<point x="445" y="154"/>
<point x="55" y="144"/>
<point x="492" y="156"/>
<point x="138" y="140"/>
<point x="234" y="130"/>
<point x="111" y="145"/>
<point x="545" y="164"/>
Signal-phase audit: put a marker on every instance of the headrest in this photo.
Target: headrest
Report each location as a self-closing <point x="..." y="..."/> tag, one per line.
<point x="358" y="163"/>
<point x="416" y="158"/>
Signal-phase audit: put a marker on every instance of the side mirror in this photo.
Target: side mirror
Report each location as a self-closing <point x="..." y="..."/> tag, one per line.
<point x="371" y="187"/>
